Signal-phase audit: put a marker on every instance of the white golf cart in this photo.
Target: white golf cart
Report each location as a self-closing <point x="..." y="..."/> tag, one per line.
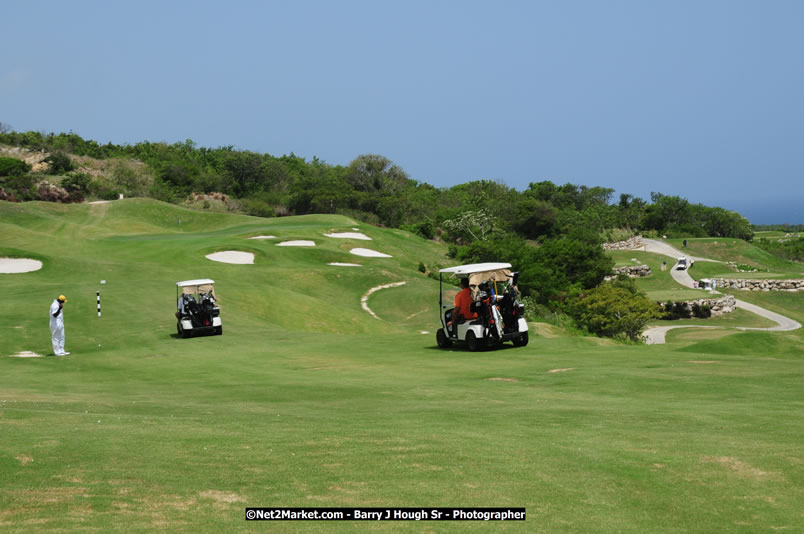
<point x="500" y="316"/>
<point x="197" y="309"/>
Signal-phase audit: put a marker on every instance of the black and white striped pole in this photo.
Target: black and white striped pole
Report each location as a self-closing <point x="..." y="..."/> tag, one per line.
<point x="98" y="303"/>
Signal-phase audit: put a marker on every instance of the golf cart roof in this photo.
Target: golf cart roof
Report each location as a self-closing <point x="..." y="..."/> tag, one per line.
<point x="199" y="282"/>
<point x="475" y="268"/>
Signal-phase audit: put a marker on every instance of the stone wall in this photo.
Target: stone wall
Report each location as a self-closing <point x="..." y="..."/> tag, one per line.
<point x="719" y="306"/>
<point x="628" y="244"/>
<point x="634" y="271"/>
<point x="760" y="285"/>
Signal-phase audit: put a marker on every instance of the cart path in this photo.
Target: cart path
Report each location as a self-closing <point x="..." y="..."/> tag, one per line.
<point x="364" y="298"/>
<point x="656" y="335"/>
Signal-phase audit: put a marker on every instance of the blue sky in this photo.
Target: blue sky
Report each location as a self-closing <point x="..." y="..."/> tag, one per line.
<point x="703" y="99"/>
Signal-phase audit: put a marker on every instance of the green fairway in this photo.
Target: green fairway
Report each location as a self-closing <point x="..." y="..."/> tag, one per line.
<point x="306" y="400"/>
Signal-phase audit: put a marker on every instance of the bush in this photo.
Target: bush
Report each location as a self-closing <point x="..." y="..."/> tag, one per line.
<point x="13" y="167"/>
<point x="103" y="190"/>
<point x="21" y="187"/>
<point x="52" y="193"/>
<point x="58" y="163"/>
<point x="675" y="310"/>
<point x="77" y="185"/>
<point x="702" y="311"/>
<point x="258" y="208"/>
<point x="613" y="311"/>
<point x="424" y="229"/>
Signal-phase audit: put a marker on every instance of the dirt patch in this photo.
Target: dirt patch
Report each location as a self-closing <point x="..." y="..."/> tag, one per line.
<point x="19" y="265"/>
<point x="545" y="330"/>
<point x="232" y="256"/>
<point x="741" y="469"/>
<point x="223" y="497"/>
<point x="500" y="379"/>
<point x="24" y="459"/>
<point x="561" y="370"/>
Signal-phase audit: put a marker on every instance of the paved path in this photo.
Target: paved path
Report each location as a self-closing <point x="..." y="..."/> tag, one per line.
<point x="656" y="335"/>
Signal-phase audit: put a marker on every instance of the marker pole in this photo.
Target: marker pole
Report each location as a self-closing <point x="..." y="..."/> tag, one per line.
<point x="98" y="293"/>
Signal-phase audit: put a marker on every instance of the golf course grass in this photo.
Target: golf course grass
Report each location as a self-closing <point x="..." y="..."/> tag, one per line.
<point x="727" y="249"/>
<point x="306" y="400"/>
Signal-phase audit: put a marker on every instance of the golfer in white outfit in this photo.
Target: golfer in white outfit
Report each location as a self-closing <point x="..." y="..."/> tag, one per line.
<point x="57" y="325"/>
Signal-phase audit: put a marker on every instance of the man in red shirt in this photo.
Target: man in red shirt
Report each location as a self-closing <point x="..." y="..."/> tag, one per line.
<point x="463" y="302"/>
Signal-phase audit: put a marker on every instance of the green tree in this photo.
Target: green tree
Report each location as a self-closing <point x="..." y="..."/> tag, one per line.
<point x="613" y="311"/>
<point x="471" y="226"/>
<point x="375" y="173"/>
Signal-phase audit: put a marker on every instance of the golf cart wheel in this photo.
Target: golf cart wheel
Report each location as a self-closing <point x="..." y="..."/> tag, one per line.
<point x="218" y="330"/>
<point x="182" y="332"/>
<point x="522" y="340"/>
<point x="443" y="341"/>
<point x="473" y="343"/>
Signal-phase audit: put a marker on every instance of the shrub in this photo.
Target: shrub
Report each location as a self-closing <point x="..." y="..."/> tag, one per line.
<point x="424" y="229"/>
<point x="258" y="208"/>
<point x="613" y="311"/>
<point x="77" y="185"/>
<point x="103" y="190"/>
<point x="52" y="193"/>
<point x="702" y="311"/>
<point x="680" y="311"/>
<point x="13" y="167"/>
<point x="58" y="163"/>
<point x="21" y="187"/>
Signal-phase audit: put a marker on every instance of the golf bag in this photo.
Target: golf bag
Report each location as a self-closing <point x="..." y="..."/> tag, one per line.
<point x="510" y="308"/>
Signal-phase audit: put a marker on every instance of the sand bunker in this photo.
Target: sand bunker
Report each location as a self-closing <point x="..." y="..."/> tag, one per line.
<point x="26" y="354"/>
<point x="369" y="253"/>
<point x="364" y="298"/>
<point x="19" y="265"/>
<point x="348" y="235"/>
<point x="338" y="264"/>
<point x="232" y="256"/>
<point x="561" y="370"/>
<point x="263" y="237"/>
<point x="299" y="243"/>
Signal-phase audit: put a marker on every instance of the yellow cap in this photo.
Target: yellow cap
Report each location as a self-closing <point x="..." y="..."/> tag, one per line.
<point x="62" y="298"/>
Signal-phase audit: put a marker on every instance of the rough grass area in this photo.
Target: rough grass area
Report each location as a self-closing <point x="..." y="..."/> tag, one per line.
<point x="306" y="400"/>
